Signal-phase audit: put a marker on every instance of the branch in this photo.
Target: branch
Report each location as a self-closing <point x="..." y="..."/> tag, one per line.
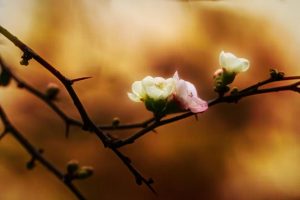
<point x="30" y="54"/>
<point x="231" y="98"/>
<point x="67" y="120"/>
<point x="87" y="122"/>
<point x="9" y="128"/>
<point x="143" y="124"/>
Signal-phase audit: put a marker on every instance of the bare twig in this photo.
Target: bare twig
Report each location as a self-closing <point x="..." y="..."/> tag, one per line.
<point x="88" y="124"/>
<point x="36" y="154"/>
<point x="143" y="124"/>
<point x="22" y="84"/>
<point x="28" y="54"/>
<point x="146" y="126"/>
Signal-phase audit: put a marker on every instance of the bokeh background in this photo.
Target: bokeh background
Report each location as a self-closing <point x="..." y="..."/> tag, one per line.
<point x="244" y="151"/>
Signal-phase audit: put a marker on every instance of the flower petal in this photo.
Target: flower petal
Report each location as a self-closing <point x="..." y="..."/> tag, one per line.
<point x="148" y="81"/>
<point x="197" y="105"/>
<point x="233" y="64"/>
<point x="244" y="65"/>
<point x="138" y="89"/>
<point x="227" y="59"/>
<point x="176" y="76"/>
<point x="181" y="89"/>
<point x="154" y="92"/>
<point x="186" y="95"/>
<point x="191" y="89"/>
<point x="133" y="97"/>
<point x="169" y="87"/>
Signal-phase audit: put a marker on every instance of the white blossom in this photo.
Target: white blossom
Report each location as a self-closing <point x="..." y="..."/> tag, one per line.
<point x="156" y="88"/>
<point x="232" y="64"/>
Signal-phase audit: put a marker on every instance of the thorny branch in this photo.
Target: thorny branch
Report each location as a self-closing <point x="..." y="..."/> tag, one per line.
<point x="88" y="124"/>
<point x="147" y="125"/>
<point x="9" y="128"/>
<point x="231" y="98"/>
<point x="22" y="84"/>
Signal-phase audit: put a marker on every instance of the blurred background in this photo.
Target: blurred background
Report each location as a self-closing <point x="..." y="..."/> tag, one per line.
<point x="244" y="151"/>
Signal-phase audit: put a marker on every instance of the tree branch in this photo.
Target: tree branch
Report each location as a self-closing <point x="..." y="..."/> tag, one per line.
<point x="87" y="122"/>
<point x="143" y="124"/>
<point x="28" y="54"/>
<point x="68" y="120"/>
<point x="9" y="128"/>
<point x="231" y="98"/>
<point x="148" y="125"/>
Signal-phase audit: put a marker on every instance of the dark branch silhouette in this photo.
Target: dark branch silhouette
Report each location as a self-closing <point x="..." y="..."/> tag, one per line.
<point x="231" y="98"/>
<point x="36" y="154"/>
<point x="88" y="124"/>
<point x="108" y="141"/>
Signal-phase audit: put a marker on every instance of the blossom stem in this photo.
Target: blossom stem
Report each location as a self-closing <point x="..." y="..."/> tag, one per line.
<point x="249" y="91"/>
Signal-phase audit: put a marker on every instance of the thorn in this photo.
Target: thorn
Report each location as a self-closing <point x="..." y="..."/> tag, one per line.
<point x="80" y="79"/>
<point x="31" y="163"/>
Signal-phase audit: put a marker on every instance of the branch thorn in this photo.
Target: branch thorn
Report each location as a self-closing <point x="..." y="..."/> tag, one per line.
<point x="80" y="79"/>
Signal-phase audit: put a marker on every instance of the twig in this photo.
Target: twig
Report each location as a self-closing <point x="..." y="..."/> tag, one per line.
<point x="67" y="120"/>
<point x="87" y="122"/>
<point x="143" y="124"/>
<point x="9" y="128"/>
<point x="232" y="98"/>
<point x="28" y="54"/>
<point x="148" y="125"/>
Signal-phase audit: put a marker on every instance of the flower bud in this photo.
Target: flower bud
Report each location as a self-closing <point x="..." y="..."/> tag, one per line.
<point x="84" y="172"/>
<point x="72" y="166"/>
<point x="230" y="67"/>
<point x="52" y="91"/>
<point x="276" y="75"/>
<point x="232" y="64"/>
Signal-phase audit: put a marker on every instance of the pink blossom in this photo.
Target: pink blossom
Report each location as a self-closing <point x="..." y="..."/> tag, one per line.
<point x="186" y="94"/>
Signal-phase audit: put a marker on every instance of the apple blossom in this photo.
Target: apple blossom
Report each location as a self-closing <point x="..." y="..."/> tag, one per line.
<point x="186" y="95"/>
<point x="156" y="88"/>
<point x="154" y="92"/>
<point x="232" y="64"/>
<point x="165" y="96"/>
<point x="230" y="67"/>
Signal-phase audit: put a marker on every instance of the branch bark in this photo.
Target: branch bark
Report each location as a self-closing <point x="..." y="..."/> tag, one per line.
<point x="88" y="124"/>
<point x="9" y="128"/>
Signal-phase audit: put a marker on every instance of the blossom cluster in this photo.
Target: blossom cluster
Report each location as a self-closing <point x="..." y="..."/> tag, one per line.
<point x="164" y="96"/>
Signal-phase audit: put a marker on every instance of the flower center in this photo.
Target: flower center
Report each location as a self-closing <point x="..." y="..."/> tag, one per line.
<point x="160" y="85"/>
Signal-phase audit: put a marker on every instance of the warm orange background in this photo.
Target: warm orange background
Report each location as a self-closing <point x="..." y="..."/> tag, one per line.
<point x="246" y="151"/>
